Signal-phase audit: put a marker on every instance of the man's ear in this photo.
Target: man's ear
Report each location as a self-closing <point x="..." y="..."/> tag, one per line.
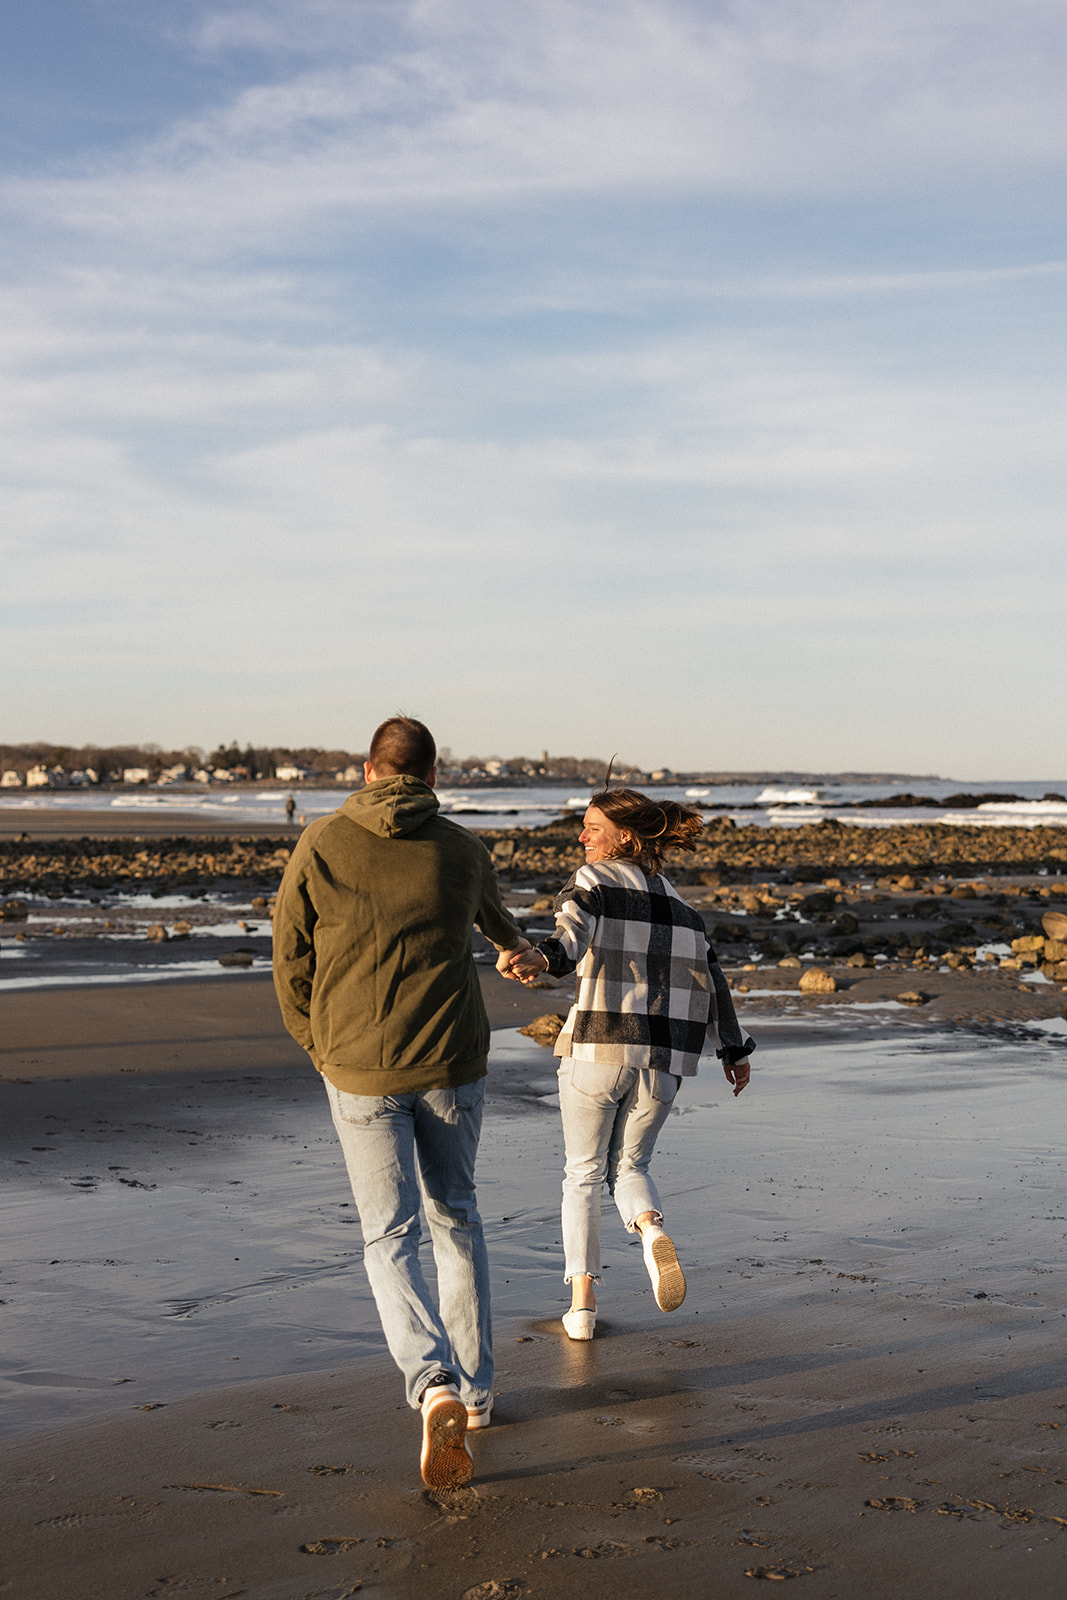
<point x="368" y="773"/>
<point x="431" y="776"/>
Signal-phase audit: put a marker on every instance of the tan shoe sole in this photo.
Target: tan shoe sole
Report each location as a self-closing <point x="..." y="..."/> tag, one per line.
<point x="668" y="1279"/>
<point x="446" y="1458"/>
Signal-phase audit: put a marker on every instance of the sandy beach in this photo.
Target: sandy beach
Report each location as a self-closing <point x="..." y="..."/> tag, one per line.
<point x="864" y="1391"/>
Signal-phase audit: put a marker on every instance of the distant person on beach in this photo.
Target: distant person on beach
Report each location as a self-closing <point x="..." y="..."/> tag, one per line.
<point x="375" y="975"/>
<point x="650" y="990"/>
<point x="290" y="809"/>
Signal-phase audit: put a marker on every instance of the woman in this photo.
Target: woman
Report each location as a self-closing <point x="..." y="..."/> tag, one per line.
<point x="649" y="990"/>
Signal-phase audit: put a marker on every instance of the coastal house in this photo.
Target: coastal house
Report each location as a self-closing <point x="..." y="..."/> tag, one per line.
<point x="136" y="775"/>
<point x="11" y="779"/>
<point x="293" y="774"/>
<point x="42" y="777"/>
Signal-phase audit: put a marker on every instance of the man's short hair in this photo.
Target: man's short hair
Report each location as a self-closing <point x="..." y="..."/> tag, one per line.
<point x="402" y="745"/>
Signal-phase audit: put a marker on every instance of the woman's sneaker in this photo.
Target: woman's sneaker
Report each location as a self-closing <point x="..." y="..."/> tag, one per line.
<point x="661" y="1259"/>
<point x="446" y="1457"/>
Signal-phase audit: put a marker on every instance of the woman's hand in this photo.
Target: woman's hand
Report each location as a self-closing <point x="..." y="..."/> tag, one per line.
<point x="525" y="965"/>
<point x="738" y="1075"/>
<point x="506" y="957"/>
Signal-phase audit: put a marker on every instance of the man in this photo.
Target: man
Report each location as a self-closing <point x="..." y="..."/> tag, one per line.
<point x="375" y="976"/>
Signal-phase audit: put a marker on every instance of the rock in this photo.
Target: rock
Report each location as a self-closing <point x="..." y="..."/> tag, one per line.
<point x="1055" y="924"/>
<point x="181" y="930"/>
<point x="545" y="1030"/>
<point x="816" y="980"/>
<point x="913" y="997"/>
<point x="817" y="905"/>
<point x="963" y="891"/>
<point x="14" y="911"/>
<point x="503" y="850"/>
<point x="907" y="882"/>
<point x="544" y="902"/>
<point x="236" y="958"/>
<point x="789" y="961"/>
<point x="1031" y="941"/>
<point x="860" y="958"/>
<point x="1058" y="973"/>
<point x="1055" y="950"/>
<point x="846" y="923"/>
<point x="157" y="933"/>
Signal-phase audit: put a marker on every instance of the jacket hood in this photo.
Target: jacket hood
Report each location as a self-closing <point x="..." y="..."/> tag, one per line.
<point x="392" y="807"/>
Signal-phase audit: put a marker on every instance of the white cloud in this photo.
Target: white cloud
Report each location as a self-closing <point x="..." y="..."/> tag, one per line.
<point x="482" y="105"/>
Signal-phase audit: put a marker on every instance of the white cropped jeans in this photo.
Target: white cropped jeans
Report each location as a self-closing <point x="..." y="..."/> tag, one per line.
<point x="611" y="1119"/>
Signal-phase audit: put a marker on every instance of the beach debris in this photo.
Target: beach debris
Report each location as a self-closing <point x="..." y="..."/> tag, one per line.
<point x="496" y="1589"/>
<point x="606" y="1548"/>
<point x="546" y="1029"/>
<point x="913" y="997"/>
<point x="816" y="980"/>
<point x="343" y="1470"/>
<point x="330" y="1547"/>
<point x="777" y="1574"/>
<point x="157" y="933"/>
<point x="645" y="1497"/>
<point x="224" y="1488"/>
<point x="896" y="1502"/>
<point x="236" y="958"/>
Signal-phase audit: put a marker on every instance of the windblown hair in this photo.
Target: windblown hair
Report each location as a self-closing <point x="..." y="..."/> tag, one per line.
<point x="653" y="825"/>
<point x="402" y="746"/>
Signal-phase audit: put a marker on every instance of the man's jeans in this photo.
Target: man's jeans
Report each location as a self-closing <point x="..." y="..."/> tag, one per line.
<point x="400" y="1149"/>
<point x="611" y="1117"/>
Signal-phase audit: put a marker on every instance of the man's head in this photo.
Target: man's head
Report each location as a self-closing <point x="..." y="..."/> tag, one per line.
<point x="402" y="746"/>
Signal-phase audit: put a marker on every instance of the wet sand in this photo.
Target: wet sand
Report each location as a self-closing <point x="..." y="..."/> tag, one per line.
<point x="864" y="1391"/>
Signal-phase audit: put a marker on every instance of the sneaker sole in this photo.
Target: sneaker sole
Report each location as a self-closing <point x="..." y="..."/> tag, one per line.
<point x="446" y="1460"/>
<point x="668" y="1279"/>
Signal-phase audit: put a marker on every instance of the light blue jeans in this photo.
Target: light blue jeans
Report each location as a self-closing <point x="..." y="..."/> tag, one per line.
<point x="404" y="1152"/>
<point x="611" y="1119"/>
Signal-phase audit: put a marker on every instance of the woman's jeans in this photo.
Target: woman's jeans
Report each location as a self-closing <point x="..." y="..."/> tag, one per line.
<point x="401" y="1150"/>
<point x="611" y="1118"/>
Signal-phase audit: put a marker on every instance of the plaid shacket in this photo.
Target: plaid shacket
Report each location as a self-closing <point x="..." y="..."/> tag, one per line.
<point x="650" y="989"/>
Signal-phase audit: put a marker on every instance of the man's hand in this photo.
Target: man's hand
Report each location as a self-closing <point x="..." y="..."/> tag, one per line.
<point x="738" y="1075"/>
<point x="525" y="965"/>
<point x="506" y="957"/>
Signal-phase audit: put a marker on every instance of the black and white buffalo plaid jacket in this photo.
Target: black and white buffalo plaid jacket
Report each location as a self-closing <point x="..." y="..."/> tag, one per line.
<point x="650" y="989"/>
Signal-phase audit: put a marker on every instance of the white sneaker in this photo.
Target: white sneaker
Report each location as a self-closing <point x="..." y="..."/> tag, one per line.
<point x="480" y="1416"/>
<point x="446" y="1457"/>
<point x="579" y="1324"/>
<point x="661" y="1259"/>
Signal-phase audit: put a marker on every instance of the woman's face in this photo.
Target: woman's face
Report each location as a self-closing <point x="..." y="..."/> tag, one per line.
<point x="601" y="838"/>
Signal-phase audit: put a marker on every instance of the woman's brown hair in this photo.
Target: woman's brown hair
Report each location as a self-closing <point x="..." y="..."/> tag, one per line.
<point x="653" y="825"/>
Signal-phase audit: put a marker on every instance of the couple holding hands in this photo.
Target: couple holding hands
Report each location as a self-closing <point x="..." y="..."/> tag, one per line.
<point x="375" y="977"/>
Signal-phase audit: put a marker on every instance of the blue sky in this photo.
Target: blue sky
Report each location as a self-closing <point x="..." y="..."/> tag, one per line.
<point x="679" y="379"/>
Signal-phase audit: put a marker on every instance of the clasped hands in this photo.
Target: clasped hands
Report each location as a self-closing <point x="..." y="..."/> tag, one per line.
<point x="524" y="964"/>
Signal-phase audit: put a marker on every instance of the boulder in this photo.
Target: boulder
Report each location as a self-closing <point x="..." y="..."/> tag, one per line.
<point x="236" y="958"/>
<point x="1055" y="924"/>
<point x="846" y="923"/>
<point x="545" y="1030"/>
<point x="1055" y="950"/>
<point x="789" y="961"/>
<point x="157" y="933"/>
<point x="1030" y="941"/>
<point x="816" y="980"/>
<point x="860" y="958"/>
<point x="913" y="997"/>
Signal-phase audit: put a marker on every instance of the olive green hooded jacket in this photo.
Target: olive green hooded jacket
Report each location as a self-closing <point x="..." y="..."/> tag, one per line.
<point x="373" y="964"/>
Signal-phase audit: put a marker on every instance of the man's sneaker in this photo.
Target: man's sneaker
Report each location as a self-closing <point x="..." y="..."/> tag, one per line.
<point x="480" y="1416"/>
<point x="446" y="1458"/>
<point x="661" y="1259"/>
